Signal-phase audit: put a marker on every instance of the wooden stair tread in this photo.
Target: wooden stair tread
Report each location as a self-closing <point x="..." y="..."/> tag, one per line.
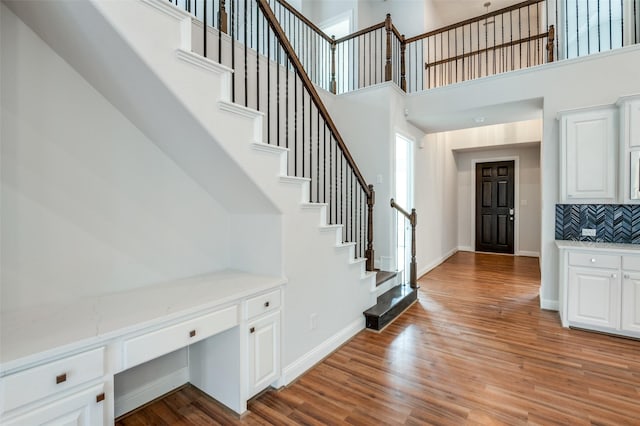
<point x="384" y="276"/>
<point x="389" y="306"/>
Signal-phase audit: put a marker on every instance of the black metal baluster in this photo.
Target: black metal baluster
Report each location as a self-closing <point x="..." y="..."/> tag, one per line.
<point x="324" y="164"/>
<point x="330" y="180"/>
<point x="317" y="155"/>
<point x="295" y="125"/>
<point x="246" y="72"/>
<point x="233" y="51"/>
<point x="268" y="39"/>
<point x="370" y="46"/>
<point x="610" y="28"/>
<point x="278" y="70"/>
<point x="204" y="29"/>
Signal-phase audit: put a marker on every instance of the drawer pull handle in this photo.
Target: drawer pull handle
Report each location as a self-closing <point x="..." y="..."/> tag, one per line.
<point x="192" y="333"/>
<point x="252" y="330"/>
<point x="593" y="260"/>
<point x="614" y="276"/>
<point x="61" y="378"/>
<point x="266" y="304"/>
<point x="100" y="398"/>
<point x="626" y="276"/>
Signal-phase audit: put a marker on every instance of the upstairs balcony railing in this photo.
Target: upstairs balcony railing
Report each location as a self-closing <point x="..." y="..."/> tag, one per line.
<point x="523" y="35"/>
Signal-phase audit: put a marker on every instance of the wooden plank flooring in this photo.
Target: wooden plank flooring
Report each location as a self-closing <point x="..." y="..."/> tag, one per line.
<point x="476" y="349"/>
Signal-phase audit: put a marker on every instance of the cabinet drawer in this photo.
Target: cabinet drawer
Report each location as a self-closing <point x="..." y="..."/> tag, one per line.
<point x="152" y="345"/>
<point x="39" y="382"/>
<point x="631" y="263"/>
<point x="595" y="260"/>
<point x="262" y="304"/>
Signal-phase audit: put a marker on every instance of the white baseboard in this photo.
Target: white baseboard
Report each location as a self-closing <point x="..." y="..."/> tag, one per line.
<point x="320" y="352"/>
<point x="465" y="248"/>
<point x="438" y="261"/>
<point x="528" y="253"/>
<point x="125" y="403"/>
<point x="549" y="305"/>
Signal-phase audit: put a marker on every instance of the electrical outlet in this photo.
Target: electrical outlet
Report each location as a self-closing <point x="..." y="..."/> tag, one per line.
<point x="588" y="232"/>
<point x="313" y="321"/>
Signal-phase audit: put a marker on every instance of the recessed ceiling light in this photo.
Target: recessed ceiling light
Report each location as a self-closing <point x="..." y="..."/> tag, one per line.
<point x="479" y="119"/>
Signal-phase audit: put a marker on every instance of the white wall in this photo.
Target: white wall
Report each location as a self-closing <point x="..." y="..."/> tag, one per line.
<point x="368" y="120"/>
<point x="89" y="204"/>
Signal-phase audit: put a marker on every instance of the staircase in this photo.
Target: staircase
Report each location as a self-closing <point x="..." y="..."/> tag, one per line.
<point x="139" y="56"/>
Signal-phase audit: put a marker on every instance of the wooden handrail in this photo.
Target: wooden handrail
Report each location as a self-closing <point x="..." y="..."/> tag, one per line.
<point x="472" y="20"/>
<point x="361" y="32"/>
<point x="306" y="81"/>
<point x="413" y="220"/>
<point x="396" y="32"/>
<point x="304" y="19"/>
<point x="488" y="49"/>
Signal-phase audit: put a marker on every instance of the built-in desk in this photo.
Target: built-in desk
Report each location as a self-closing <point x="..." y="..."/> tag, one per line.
<point x="59" y="361"/>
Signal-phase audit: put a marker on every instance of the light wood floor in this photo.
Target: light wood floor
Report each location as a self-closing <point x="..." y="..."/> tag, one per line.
<point x="475" y="349"/>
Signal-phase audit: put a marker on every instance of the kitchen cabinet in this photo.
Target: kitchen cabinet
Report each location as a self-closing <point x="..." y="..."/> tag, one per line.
<point x="630" y="148"/>
<point x="588" y="156"/>
<point x="600" y="287"/>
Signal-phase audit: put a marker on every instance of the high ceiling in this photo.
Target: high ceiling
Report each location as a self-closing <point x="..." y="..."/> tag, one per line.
<point x="451" y="11"/>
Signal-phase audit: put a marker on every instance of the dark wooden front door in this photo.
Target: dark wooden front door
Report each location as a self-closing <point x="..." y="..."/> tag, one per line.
<point x="494" y="206"/>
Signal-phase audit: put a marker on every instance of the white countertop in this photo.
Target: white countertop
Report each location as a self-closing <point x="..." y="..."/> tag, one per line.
<point x="588" y="245"/>
<point x="40" y="332"/>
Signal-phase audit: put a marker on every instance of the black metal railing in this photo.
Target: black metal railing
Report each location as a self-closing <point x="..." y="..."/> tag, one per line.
<point x="269" y="77"/>
<point x="504" y="40"/>
<point x="526" y="34"/>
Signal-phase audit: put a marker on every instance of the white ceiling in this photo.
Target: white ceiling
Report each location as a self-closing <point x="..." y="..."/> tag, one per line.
<point x="452" y="11"/>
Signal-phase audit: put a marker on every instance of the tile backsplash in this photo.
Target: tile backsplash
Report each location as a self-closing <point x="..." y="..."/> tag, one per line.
<point x="615" y="223"/>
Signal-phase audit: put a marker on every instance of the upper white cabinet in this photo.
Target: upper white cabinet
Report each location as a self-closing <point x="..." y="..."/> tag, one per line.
<point x="630" y="148"/>
<point x="588" y="141"/>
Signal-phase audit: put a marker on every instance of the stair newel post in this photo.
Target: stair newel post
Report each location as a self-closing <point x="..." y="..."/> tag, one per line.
<point x="413" y="278"/>
<point x="403" y="80"/>
<point x="371" y="200"/>
<point x="222" y="16"/>
<point x="387" y="67"/>
<point x="333" y="65"/>
<point x="204" y="29"/>
<point x="550" y="43"/>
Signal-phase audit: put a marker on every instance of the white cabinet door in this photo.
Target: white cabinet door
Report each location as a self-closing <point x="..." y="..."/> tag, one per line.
<point x="589" y="147"/>
<point x="594" y="297"/>
<point x="264" y="352"/>
<point x="631" y="302"/>
<point x="85" y="408"/>
<point x="630" y="138"/>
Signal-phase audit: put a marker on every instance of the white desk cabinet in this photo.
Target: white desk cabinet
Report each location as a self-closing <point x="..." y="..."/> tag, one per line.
<point x="588" y="156"/>
<point x="59" y="363"/>
<point x="600" y="287"/>
<point x="82" y="408"/>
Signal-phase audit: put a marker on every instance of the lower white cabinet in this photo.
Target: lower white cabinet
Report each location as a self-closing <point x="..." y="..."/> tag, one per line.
<point x="264" y="352"/>
<point x="594" y="297"/>
<point x="86" y="407"/>
<point x="631" y="302"/>
<point x="600" y="287"/>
